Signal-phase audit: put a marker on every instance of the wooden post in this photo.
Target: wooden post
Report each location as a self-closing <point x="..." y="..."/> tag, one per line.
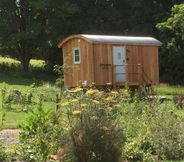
<point x="114" y="76"/>
<point x="126" y="76"/>
<point x="58" y="100"/>
<point x="139" y="75"/>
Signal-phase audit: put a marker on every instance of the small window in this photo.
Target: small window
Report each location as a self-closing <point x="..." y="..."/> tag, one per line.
<point x="76" y="56"/>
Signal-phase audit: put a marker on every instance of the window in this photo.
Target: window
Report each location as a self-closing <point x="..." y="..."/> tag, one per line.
<point x="76" y="55"/>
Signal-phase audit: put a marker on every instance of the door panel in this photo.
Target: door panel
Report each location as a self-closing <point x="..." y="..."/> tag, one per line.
<point x="119" y="61"/>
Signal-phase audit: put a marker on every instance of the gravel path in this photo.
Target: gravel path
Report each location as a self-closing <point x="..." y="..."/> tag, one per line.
<point x="9" y="136"/>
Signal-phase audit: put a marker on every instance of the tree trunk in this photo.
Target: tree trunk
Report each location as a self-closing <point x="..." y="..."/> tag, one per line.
<point x="24" y="56"/>
<point x="25" y="65"/>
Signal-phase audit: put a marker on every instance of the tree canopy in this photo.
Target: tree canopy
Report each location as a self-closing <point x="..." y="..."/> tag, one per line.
<point x="172" y="55"/>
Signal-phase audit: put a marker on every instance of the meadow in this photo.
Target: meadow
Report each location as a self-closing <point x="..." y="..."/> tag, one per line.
<point x="25" y="92"/>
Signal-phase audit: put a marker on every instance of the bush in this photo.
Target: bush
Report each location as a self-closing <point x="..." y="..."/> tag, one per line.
<point x="3" y="155"/>
<point x="39" y="137"/>
<point x="94" y="126"/>
<point x="153" y="130"/>
<point x="12" y="65"/>
<point x="168" y="137"/>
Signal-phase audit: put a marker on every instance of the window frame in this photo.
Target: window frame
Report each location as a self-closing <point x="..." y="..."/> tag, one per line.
<point x="74" y="55"/>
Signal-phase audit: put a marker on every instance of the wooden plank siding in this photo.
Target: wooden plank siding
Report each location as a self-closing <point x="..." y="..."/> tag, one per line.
<point x="103" y="63"/>
<point x="97" y="63"/>
<point x="150" y="63"/>
<point x="146" y="56"/>
<point x="76" y="74"/>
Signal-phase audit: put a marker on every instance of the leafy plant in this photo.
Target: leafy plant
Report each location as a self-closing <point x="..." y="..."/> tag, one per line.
<point x="93" y="125"/>
<point x="39" y="137"/>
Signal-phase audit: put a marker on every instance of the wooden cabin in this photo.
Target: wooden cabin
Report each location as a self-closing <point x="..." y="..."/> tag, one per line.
<point x="103" y="59"/>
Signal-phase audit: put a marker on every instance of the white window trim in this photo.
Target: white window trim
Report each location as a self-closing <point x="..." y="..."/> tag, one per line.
<point x="76" y="62"/>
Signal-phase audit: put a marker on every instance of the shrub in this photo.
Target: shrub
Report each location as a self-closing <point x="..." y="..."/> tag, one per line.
<point x="168" y="137"/>
<point x="39" y="137"/>
<point x="154" y="126"/>
<point x="93" y="125"/>
<point x="3" y="155"/>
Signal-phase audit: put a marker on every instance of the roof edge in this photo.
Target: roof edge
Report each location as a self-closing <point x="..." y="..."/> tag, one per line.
<point x="60" y="44"/>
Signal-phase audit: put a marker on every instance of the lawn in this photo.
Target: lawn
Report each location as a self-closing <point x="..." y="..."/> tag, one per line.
<point x="39" y="83"/>
<point x="165" y="89"/>
<point x="24" y="85"/>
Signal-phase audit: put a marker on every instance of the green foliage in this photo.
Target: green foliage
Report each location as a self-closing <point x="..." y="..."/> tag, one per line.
<point x="93" y="124"/>
<point x="60" y="70"/>
<point x="12" y="65"/>
<point x="39" y="137"/>
<point x="3" y="155"/>
<point x="154" y="131"/>
<point x="172" y="31"/>
<point x="168" y="135"/>
<point x="164" y="89"/>
<point x="29" y="88"/>
<point x="30" y="28"/>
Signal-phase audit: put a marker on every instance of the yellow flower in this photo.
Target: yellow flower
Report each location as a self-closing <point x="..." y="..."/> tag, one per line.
<point x="105" y="128"/>
<point x="76" y="112"/>
<point x="83" y="105"/>
<point x="66" y="103"/>
<point x="77" y="89"/>
<point x="114" y="92"/>
<point x="94" y="118"/>
<point x="91" y="91"/>
<point x="93" y="83"/>
<point x="117" y="105"/>
<point x="95" y="102"/>
<point x="74" y="100"/>
<point x="109" y="109"/>
<point x="109" y="99"/>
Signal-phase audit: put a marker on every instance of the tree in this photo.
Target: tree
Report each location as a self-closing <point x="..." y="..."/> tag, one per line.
<point x="172" y="36"/>
<point x="29" y="27"/>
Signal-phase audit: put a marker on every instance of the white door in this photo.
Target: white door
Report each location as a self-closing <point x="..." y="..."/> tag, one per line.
<point x="119" y="60"/>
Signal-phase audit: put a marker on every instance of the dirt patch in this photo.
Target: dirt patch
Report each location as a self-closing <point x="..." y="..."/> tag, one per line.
<point x="9" y="136"/>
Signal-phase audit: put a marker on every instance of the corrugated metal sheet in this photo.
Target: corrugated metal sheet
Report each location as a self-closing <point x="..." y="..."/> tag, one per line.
<point x="123" y="39"/>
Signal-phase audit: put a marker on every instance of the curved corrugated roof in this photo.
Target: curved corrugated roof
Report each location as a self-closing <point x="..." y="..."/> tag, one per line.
<point x="114" y="39"/>
<point x="123" y="39"/>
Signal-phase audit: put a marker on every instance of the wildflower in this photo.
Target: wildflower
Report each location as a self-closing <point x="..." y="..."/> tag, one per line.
<point x="74" y="100"/>
<point x="109" y="99"/>
<point x="66" y="103"/>
<point x="76" y="112"/>
<point x="109" y="109"/>
<point x="95" y="102"/>
<point x="78" y="89"/>
<point x="83" y="105"/>
<point x="93" y="83"/>
<point x="117" y="105"/>
<point x="105" y="128"/>
<point x="94" y="118"/>
<point x="114" y="92"/>
<point x="91" y="91"/>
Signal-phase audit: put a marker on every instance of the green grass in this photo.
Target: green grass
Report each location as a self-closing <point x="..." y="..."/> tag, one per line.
<point x="164" y="89"/>
<point x="12" y="119"/>
<point x="15" y="80"/>
<point x="173" y="161"/>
